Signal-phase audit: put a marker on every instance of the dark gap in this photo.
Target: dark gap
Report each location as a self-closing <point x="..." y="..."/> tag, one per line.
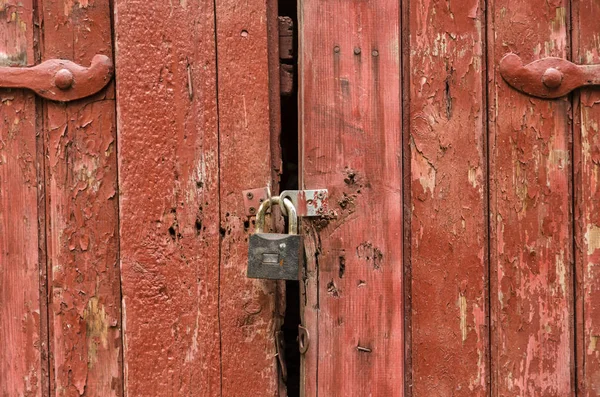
<point x="487" y="46"/>
<point x="289" y="181"/>
<point x="406" y="194"/>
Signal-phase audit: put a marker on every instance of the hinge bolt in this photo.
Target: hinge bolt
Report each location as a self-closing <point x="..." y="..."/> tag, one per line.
<point x="63" y="79"/>
<point x="552" y="78"/>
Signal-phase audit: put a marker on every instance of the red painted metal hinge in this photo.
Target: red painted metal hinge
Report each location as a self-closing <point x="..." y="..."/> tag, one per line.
<point x="548" y="77"/>
<point x="60" y="80"/>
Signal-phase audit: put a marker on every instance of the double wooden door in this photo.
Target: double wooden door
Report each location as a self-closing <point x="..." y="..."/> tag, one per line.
<point x="460" y="255"/>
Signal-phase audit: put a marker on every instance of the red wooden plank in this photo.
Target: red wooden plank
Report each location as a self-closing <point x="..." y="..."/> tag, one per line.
<point x="531" y="234"/>
<point x="247" y="306"/>
<point x="350" y="118"/>
<point x="587" y="207"/>
<point x="448" y="199"/>
<point x="169" y="201"/>
<point x="82" y="212"/>
<point x="20" y="318"/>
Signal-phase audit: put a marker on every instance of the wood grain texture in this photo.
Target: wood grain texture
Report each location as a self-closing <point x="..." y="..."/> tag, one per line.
<point x="247" y="306"/>
<point x="587" y="206"/>
<point x="531" y="210"/>
<point x="20" y="313"/>
<point x="169" y="200"/>
<point x="82" y="213"/>
<point x="449" y="263"/>
<point x="350" y="121"/>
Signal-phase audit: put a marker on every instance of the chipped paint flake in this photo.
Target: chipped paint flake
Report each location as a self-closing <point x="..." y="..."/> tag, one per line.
<point x="462" y="305"/>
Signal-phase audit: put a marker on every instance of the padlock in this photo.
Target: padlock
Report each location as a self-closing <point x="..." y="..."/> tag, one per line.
<point x="275" y="256"/>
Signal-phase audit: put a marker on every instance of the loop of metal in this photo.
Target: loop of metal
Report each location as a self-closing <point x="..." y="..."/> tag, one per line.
<point x="290" y="209"/>
<point x="303" y="339"/>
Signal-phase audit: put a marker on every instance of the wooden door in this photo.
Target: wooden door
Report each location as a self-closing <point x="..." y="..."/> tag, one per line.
<point x="461" y="254"/>
<point x="60" y="311"/>
<point x="133" y="282"/>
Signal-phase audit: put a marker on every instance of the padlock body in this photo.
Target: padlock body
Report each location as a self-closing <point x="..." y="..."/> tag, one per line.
<point x="275" y="256"/>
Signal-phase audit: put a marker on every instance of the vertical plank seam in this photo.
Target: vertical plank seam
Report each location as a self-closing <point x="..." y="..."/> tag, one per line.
<point x="578" y="288"/>
<point x="490" y="81"/>
<point x="46" y="362"/>
<point x="488" y="199"/>
<point x="572" y="99"/>
<point x="220" y="250"/>
<point x="113" y="36"/>
<point x="406" y="193"/>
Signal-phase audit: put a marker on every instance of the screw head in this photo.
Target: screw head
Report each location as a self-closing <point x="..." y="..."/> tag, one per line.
<point x="249" y="195"/>
<point x="552" y="78"/>
<point x="252" y="210"/>
<point x="356" y="50"/>
<point x="63" y="79"/>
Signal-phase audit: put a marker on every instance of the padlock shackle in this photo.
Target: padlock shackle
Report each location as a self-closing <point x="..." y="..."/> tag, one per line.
<point x="289" y="206"/>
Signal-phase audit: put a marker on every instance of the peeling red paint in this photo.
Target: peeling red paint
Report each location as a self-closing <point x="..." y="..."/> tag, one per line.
<point x="21" y="307"/>
<point x="531" y="252"/>
<point x="448" y="259"/>
<point x="81" y="222"/>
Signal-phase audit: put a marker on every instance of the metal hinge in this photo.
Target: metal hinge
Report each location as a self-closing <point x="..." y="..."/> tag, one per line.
<point x="59" y="79"/>
<point x="306" y="202"/>
<point x="547" y="77"/>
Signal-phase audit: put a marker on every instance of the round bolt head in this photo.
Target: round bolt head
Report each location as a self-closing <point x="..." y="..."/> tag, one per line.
<point x="63" y="79"/>
<point x="249" y="195"/>
<point x="552" y="78"/>
<point x="252" y="210"/>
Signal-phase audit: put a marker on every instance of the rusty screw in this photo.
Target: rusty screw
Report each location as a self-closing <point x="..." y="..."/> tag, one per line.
<point x="249" y="195"/>
<point x="552" y="78"/>
<point x="63" y="79"/>
<point x="252" y="210"/>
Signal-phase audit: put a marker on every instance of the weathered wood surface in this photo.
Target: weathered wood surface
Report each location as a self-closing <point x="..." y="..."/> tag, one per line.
<point x="21" y="342"/>
<point x="194" y="324"/>
<point x="350" y="121"/>
<point x="531" y="210"/>
<point x="448" y="178"/>
<point x="82" y="211"/>
<point x="586" y="155"/>
<point x="246" y="306"/>
<point x="169" y="200"/>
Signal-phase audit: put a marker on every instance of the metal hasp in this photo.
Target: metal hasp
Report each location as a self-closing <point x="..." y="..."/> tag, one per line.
<point x="549" y="77"/>
<point x="253" y="198"/>
<point x="307" y="202"/>
<point x="60" y="80"/>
